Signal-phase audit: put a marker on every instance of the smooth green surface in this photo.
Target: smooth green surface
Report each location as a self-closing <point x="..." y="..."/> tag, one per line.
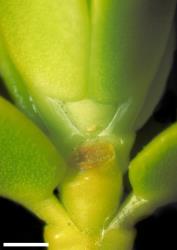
<point x="30" y="167"/>
<point x="48" y="43"/>
<point x="128" y="41"/>
<point x="153" y="172"/>
<point x="157" y="86"/>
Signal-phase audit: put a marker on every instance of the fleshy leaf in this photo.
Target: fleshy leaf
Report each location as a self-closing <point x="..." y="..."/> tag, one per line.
<point x="30" y="166"/>
<point x="44" y="58"/>
<point x="48" y="45"/>
<point x="128" y="42"/>
<point x="153" y="172"/>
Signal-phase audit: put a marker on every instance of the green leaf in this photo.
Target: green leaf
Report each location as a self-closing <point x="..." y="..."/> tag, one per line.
<point x="48" y="45"/>
<point x="30" y="166"/>
<point x="44" y="50"/>
<point x="128" y="42"/>
<point x="158" y="84"/>
<point x="153" y="172"/>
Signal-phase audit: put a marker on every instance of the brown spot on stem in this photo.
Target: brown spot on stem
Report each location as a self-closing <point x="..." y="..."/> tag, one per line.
<point x="93" y="155"/>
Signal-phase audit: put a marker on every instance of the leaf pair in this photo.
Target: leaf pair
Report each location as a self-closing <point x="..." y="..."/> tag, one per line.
<point x="104" y="57"/>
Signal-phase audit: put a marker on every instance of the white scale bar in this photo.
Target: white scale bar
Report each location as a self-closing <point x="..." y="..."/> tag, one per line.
<point x="25" y="244"/>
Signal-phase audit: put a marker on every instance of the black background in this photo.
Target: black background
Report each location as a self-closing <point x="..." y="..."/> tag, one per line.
<point x="158" y="231"/>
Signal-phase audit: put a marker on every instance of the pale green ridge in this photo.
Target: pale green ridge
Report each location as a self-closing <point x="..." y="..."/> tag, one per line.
<point x="121" y="230"/>
<point x="30" y="166"/>
<point x="15" y="84"/>
<point x="61" y="130"/>
<point x="132" y="210"/>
